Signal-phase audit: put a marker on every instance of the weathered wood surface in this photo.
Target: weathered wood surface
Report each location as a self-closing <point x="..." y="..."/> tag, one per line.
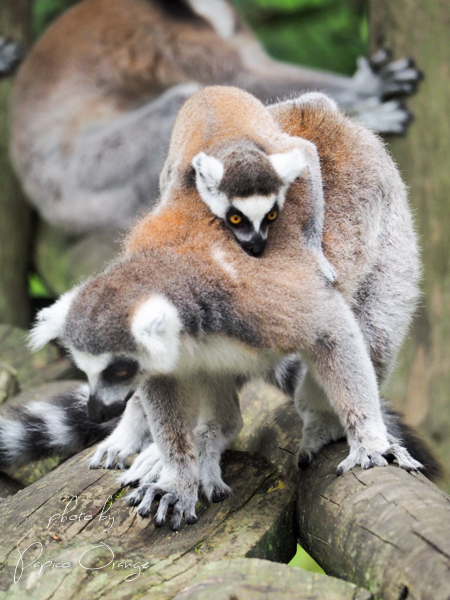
<point x="256" y="521"/>
<point x="384" y="529"/>
<point x="254" y="579"/>
<point x="33" y="369"/>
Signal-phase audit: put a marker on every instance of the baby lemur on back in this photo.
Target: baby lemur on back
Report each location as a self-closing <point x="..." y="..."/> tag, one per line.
<point x="171" y="329"/>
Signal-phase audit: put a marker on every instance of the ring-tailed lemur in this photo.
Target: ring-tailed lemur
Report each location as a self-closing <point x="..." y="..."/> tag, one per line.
<point x="89" y="135"/>
<point x="228" y="145"/>
<point x="184" y="315"/>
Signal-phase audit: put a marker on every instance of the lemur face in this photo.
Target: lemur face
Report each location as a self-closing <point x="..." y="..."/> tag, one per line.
<point x="249" y="220"/>
<point x="113" y="379"/>
<point x="152" y="335"/>
<point x="248" y="190"/>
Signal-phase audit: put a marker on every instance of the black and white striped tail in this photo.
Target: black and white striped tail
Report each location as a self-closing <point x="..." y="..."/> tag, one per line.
<point x="412" y="442"/>
<point x="58" y="426"/>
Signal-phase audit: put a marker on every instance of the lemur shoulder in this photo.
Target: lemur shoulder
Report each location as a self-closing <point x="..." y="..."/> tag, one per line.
<point x="168" y="332"/>
<point x="96" y="99"/>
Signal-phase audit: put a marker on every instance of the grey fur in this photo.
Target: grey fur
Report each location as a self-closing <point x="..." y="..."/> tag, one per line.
<point x="196" y="331"/>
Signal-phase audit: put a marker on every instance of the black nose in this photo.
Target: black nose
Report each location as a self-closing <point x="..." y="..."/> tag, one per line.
<point x="255" y="248"/>
<point x="98" y="412"/>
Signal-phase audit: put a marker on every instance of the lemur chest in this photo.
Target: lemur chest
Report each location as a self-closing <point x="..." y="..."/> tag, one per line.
<point x="223" y="354"/>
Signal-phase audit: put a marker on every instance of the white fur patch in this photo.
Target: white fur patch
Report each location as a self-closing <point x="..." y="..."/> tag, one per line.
<point x="221" y="354"/>
<point x="91" y="365"/>
<point x="316" y="98"/>
<point x="54" y="417"/>
<point x="209" y="172"/>
<point x="50" y="321"/>
<point x="255" y="208"/>
<point x="156" y="327"/>
<point x="220" y="257"/>
<point x="12" y="435"/>
<point x="218" y="13"/>
<point x="289" y="166"/>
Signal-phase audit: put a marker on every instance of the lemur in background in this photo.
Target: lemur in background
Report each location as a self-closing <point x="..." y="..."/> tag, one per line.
<point x="168" y="333"/>
<point x="96" y="99"/>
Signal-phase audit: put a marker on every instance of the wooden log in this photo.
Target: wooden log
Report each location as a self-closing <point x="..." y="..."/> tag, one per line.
<point x="254" y="579"/>
<point x="257" y="521"/>
<point x="384" y="529"/>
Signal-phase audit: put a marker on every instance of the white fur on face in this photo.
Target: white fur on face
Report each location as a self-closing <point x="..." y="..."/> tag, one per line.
<point x="92" y="365"/>
<point x="255" y="208"/>
<point x="50" y="321"/>
<point x="218" y="13"/>
<point x="209" y="172"/>
<point x="156" y="327"/>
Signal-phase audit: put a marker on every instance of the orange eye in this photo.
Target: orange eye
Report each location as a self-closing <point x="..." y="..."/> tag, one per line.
<point x="122" y="373"/>
<point x="235" y="219"/>
<point x="272" y="215"/>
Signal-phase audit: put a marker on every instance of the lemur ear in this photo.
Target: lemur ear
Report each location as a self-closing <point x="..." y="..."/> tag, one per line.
<point x="50" y="321"/>
<point x="289" y="165"/>
<point x="209" y="172"/>
<point x="156" y="328"/>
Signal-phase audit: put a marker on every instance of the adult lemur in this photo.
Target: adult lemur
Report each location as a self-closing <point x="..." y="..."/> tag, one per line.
<point x="96" y="99"/>
<point x="185" y="315"/>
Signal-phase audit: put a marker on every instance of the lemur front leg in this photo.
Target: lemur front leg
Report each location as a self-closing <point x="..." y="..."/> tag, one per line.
<point x="219" y="422"/>
<point x="177" y="484"/>
<point x="131" y="435"/>
<point x="340" y="363"/>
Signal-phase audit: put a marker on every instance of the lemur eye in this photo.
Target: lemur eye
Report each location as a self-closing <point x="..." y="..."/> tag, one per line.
<point x="272" y="215"/>
<point x="121" y="370"/>
<point x="235" y="219"/>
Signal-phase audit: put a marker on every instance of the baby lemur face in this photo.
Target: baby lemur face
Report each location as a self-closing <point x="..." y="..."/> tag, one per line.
<point x="246" y="188"/>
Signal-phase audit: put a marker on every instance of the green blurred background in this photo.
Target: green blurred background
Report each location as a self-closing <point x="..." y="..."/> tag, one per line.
<point x="323" y="34"/>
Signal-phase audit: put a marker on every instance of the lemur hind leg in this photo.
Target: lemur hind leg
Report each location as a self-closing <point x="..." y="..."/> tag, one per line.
<point x="219" y="422"/>
<point x="131" y="435"/>
<point x="321" y="425"/>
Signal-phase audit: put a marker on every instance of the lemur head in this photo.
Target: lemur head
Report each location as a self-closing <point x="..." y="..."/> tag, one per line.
<point x="117" y="343"/>
<point x="246" y="188"/>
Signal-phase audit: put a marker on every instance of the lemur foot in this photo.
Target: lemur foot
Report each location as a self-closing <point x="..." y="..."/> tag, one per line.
<point x="146" y="468"/>
<point x="117" y="451"/>
<point x="304" y="459"/>
<point x="366" y="460"/>
<point x="385" y="117"/>
<point x="396" y="78"/>
<point x="10" y="55"/>
<point x="215" y="491"/>
<point x="167" y="490"/>
<point x="379" y="84"/>
<point x="381" y="77"/>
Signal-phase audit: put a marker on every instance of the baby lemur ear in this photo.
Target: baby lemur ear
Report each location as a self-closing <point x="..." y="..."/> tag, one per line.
<point x="209" y="172"/>
<point x="289" y="165"/>
<point x="49" y="324"/>
<point x="156" y="327"/>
